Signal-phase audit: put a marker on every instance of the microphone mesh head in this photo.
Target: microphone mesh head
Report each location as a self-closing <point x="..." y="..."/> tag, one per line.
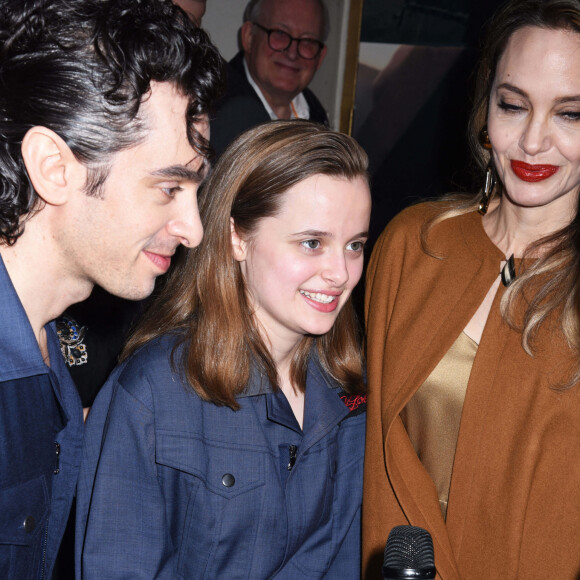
<point x="409" y="547"/>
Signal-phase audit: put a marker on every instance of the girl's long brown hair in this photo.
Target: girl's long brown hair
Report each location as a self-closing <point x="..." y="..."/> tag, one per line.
<point x="205" y="298"/>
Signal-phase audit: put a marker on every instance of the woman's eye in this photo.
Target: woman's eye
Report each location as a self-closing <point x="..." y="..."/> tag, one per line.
<point x="311" y="244"/>
<point x="356" y="246"/>
<point x="571" y="115"/>
<point x="510" y="107"/>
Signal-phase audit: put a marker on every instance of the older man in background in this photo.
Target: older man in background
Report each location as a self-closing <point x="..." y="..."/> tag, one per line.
<point x="283" y="45"/>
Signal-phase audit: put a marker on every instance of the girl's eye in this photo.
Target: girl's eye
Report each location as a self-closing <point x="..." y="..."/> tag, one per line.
<point x="311" y="244"/>
<point x="356" y="246"/>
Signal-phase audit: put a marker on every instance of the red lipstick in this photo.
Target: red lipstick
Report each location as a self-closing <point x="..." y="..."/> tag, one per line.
<point x="533" y="173"/>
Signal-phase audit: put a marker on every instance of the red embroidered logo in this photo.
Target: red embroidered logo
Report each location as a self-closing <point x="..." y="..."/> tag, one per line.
<point x="353" y="402"/>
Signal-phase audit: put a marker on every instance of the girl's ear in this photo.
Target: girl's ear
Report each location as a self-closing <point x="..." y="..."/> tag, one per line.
<point x="239" y="246"/>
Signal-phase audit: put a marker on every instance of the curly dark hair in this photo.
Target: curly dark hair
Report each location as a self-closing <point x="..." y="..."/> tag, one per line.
<point x="82" y="68"/>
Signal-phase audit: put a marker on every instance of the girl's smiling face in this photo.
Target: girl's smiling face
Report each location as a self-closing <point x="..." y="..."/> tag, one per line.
<point x="301" y="265"/>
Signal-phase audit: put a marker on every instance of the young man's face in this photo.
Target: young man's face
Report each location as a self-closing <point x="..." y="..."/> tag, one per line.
<point x="124" y="238"/>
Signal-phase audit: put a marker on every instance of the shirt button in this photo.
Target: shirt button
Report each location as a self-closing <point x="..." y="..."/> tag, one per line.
<point x="29" y="524"/>
<point x="228" y="480"/>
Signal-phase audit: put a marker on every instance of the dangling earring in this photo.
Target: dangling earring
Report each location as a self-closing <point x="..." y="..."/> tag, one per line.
<point x="487" y="190"/>
<point x="489" y="178"/>
<point x="484" y="138"/>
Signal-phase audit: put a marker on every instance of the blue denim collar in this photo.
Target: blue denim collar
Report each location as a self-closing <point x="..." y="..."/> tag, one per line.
<point x="19" y="352"/>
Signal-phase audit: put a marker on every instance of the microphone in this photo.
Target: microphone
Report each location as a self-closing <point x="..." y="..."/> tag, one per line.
<point x="408" y="554"/>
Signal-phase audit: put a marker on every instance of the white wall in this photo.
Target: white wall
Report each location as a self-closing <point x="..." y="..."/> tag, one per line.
<point x="223" y="19"/>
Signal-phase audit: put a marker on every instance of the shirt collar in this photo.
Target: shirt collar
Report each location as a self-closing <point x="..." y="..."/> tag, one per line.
<point x="299" y="110"/>
<point x="260" y="385"/>
<point x="19" y="352"/>
<point x="323" y="407"/>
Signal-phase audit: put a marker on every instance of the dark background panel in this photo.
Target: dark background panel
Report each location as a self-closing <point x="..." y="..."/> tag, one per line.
<point x="416" y="133"/>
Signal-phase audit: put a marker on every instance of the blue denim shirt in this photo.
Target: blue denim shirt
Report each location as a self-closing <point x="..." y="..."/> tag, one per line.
<point x="40" y="413"/>
<point x="183" y="488"/>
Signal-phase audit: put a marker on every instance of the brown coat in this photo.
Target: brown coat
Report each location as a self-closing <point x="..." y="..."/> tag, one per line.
<point x="514" y="504"/>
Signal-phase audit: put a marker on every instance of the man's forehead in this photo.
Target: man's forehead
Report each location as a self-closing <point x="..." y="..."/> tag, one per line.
<point x="166" y="105"/>
<point x="164" y="95"/>
<point x="169" y="143"/>
<point x="279" y="11"/>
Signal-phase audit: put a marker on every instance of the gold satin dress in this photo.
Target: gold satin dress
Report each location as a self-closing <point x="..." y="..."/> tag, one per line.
<point x="432" y="417"/>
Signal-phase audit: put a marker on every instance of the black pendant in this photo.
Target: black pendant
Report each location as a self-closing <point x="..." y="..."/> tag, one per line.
<point x="508" y="272"/>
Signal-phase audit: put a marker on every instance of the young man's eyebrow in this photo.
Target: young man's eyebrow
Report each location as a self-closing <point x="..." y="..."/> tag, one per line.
<point x="181" y="172"/>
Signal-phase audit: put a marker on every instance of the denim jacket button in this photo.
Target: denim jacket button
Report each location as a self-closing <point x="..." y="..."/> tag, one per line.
<point x="228" y="480"/>
<point x="29" y="524"/>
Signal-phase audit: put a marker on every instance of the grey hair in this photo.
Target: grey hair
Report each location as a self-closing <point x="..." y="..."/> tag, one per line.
<point x="253" y="12"/>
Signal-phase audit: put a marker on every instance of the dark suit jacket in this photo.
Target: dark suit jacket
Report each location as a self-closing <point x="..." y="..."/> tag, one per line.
<point x="241" y="107"/>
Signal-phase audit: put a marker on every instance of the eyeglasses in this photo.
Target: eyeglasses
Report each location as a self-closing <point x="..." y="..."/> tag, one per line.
<point x="279" y="41"/>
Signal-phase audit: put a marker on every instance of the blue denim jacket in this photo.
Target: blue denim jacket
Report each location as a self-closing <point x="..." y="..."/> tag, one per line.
<point x="187" y="489"/>
<point x="40" y="413"/>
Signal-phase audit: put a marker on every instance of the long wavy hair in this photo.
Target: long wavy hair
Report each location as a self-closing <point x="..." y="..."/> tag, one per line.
<point x="205" y="299"/>
<point x="548" y="285"/>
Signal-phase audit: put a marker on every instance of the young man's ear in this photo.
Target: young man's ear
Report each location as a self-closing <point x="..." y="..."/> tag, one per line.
<point x="52" y="168"/>
<point x="239" y="246"/>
